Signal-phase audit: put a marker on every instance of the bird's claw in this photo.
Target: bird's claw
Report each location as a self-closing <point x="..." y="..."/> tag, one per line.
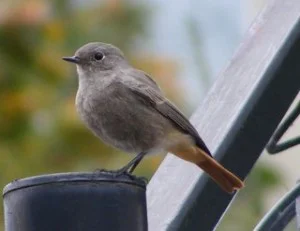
<point x="115" y="173"/>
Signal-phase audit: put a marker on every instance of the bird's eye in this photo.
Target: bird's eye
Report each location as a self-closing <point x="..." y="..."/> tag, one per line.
<point x="99" y="56"/>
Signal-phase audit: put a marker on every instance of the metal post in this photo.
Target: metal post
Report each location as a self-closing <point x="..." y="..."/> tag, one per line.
<point x="77" y="202"/>
<point x="236" y="120"/>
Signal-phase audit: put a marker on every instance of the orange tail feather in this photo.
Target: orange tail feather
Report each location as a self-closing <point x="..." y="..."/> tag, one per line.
<point x="223" y="177"/>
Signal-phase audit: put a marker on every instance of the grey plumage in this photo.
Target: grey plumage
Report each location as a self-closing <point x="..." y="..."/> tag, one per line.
<point x="123" y="106"/>
<point x="115" y="115"/>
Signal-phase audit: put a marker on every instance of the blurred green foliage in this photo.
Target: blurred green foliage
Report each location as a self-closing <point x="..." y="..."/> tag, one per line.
<point x="40" y="131"/>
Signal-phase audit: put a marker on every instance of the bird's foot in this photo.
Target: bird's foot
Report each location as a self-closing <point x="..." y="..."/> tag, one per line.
<point x="115" y="173"/>
<point x="119" y="173"/>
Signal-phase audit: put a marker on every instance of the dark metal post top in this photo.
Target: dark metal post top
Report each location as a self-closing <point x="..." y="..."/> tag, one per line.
<point x="72" y="177"/>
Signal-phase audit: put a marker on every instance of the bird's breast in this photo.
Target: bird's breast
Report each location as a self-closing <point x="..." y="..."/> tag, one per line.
<point x="120" y="119"/>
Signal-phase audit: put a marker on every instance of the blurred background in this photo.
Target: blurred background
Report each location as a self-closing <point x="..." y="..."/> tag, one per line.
<point x="182" y="44"/>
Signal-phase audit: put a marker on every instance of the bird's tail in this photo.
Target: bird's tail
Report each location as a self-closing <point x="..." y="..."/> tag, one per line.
<point x="223" y="177"/>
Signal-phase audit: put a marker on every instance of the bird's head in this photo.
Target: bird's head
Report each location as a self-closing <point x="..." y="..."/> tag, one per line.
<point x="97" y="57"/>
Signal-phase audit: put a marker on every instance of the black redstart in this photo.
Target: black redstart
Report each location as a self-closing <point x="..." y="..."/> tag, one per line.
<point x="125" y="108"/>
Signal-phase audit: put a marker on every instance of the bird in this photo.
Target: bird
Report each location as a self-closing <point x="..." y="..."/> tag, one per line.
<point x="126" y="109"/>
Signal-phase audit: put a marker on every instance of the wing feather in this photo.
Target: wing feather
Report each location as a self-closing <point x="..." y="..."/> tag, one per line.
<point x="154" y="97"/>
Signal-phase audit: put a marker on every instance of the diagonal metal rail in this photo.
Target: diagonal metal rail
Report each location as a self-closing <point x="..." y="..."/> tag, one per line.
<point x="236" y="119"/>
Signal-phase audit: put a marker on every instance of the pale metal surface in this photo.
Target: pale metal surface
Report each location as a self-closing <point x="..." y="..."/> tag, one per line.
<point x="236" y="120"/>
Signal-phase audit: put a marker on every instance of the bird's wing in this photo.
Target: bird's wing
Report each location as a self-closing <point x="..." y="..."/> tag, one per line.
<point x="142" y="77"/>
<point x="155" y="98"/>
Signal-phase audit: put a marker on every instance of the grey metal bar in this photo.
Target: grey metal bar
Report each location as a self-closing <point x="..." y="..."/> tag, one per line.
<point x="274" y="146"/>
<point x="236" y="120"/>
<point x="282" y="213"/>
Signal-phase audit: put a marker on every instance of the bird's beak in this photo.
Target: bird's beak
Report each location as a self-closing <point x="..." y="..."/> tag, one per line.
<point x="72" y="59"/>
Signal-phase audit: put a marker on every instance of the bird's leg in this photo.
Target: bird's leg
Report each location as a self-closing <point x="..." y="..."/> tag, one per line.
<point x="130" y="167"/>
<point x="139" y="158"/>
